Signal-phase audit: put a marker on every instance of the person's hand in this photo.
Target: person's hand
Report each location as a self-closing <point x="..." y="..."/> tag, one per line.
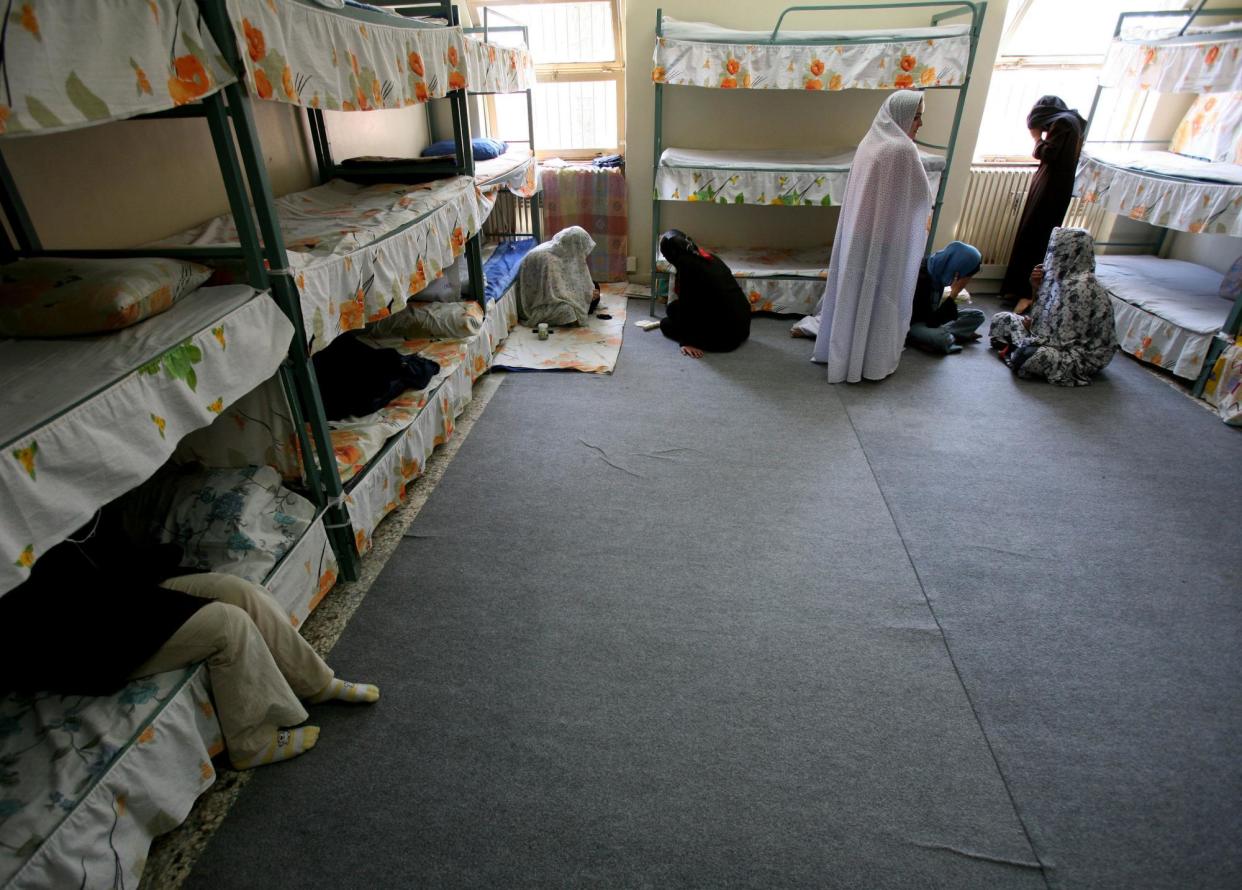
<point x="1036" y="133"/>
<point x="692" y="351"/>
<point x="1037" y="276"/>
<point x="1026" y="322"/>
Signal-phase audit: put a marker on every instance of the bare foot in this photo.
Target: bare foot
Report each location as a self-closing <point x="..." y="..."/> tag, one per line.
<point x="692" y="351"/>
<point x="1022" y="305"/>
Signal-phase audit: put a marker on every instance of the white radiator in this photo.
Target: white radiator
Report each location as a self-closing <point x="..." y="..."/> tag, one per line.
<point x="993" y="206"/>
<point x="511" y="214"/>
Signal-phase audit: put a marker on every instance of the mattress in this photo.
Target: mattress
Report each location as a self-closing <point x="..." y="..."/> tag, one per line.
<point x="1166" y="311"/>
<point x="90" y="782"/>
<point x="357" y="252"/>
<point x="347" y="59"/>
<point x="1163" y="189"/>
<point x="786" y="281"/>
<point x="492" y="68"/>
<point x="372" y="495"/>
<point x="1204" y="61"/>
<point x="787" y="177"/>
<point x="516" y="170"/>
<point x="164" y="57"/>
<point x="705" y="55"/>
<point x="90" y="418"/>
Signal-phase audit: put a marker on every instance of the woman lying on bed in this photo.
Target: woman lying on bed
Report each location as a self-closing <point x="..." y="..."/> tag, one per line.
<point x="1069" y="335"/>
<point x="710" y="312"/>
<point x="95" y="613"/>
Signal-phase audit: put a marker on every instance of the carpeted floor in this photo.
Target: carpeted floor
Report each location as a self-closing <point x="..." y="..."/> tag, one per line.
<point x="717" y="623"/>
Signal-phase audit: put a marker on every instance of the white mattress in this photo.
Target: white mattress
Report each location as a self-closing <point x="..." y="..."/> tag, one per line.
<point x="93" y="417"/>
<point x="769" y="262"/>
<point x="1186" y="294"/>
<point x="775" y="160"/>
<point x="515" y="170"/>
<point x="1170" y="164"/>
<point x="708" y="33"/>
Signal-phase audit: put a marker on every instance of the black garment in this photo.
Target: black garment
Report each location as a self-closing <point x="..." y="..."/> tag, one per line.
<point x="88" y="616"/>
<point x="710" y="311"/>
<point x="1049" y="195"/>
<point x="356" y="379"/>
<point x="926" y="297"/>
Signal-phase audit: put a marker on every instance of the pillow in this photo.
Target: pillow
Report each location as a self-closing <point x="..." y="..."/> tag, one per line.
<point x="62" y="297"/>
<point x="240" y="521"/>
<point x="1231" y="284"/>
<point x="1211" y="129"/>
<point x="439" y="321"/>
<point x="484" y="149"/>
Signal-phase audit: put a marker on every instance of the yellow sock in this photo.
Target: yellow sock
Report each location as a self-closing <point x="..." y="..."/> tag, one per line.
<point x="343" y="690"/>
<point x="285" y="744"/>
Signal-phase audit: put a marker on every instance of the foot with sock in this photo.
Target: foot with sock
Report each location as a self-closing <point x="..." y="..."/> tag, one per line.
<point x="285" y="744"/>
<point x="343" y="690"/>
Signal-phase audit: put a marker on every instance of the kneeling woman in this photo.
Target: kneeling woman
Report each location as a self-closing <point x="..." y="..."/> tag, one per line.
<point x="1069" y="335"/>
<point x="710" y="312"/>
<point x="936" y="324"/>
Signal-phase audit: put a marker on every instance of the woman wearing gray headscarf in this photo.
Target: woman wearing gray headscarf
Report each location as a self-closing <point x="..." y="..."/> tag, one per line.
<point x="1069" y="335"/>
<point x="862" y="320"/>
<point x="1058" y="133"/>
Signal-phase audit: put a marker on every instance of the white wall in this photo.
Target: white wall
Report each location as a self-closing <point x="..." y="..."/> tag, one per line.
<point x="704" y="118"/>
<point x="392" y="133"/>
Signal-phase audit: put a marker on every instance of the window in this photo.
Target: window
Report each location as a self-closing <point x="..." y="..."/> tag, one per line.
<point x="579" y="102"/>
<point x="1041" y="52"/>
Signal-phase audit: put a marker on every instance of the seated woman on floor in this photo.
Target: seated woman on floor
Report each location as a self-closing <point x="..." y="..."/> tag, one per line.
<point x="937" y="324"/>
<point x="709" y="313"/>
<point x="1069" y="335"/>
<point x="554" y="281"/>
<point x="96" y="613"/>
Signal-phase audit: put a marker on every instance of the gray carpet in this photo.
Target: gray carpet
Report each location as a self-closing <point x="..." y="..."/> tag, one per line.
<point x="661" y="629"/>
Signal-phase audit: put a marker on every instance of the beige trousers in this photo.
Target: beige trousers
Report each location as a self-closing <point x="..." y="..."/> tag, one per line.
<point x="258" y="664"/>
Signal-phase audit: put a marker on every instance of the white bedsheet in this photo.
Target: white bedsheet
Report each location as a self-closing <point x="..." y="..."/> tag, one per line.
<point x="89" y="418"/>
<point x="707" y="32"/>
<point x="789" y="177"/>
<point x="515" y="170"/>
<point x="1207" y="61"/>
<point x="1116" y="181"/>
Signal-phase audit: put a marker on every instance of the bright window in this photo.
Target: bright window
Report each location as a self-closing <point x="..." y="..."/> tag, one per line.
<point x="1057" y="47"/>
<point x="579" y="102"/>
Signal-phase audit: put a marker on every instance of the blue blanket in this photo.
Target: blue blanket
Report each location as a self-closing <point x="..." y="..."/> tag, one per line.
<point x="502" y="267"/>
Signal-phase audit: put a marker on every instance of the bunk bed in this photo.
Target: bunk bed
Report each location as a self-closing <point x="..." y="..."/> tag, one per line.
<point x="377" y="231"/>
<point x="1170" y="313"/>
<point x="699" y="54"/>
<point x="89" y="781"/>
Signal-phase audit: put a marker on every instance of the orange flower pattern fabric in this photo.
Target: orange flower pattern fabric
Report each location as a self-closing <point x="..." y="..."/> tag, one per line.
<point x="1211" y="129"/>
<point x="169" y="59"/>
<point x="516" y="171"/>
<point x="1203" y="64"/>
<point x="696" y="55"/>
<point x="777" y="177"/>
<point x="307" y="55"/>
<point x="497" y="69"/>
<point x="1141" y="185"/>
<point x="349" y="270"/>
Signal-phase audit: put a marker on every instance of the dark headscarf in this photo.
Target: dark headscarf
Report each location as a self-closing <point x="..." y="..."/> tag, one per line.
<point x="1050" y="109"/>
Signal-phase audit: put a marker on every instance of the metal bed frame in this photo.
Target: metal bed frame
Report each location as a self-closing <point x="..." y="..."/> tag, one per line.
<point x="1233" y="323"/>
<point x="261" y="250"/>
<point x="976" y="10"/>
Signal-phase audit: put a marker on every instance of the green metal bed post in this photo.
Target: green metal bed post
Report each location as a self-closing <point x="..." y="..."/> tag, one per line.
<point x="462" y="137"/>
<point x="330" y="492"/>
<point x="15" y="210"/>
<point x="536" y="200"/>
<point x="319" y="139"/>
<point x="977" y="12"/>
<point x="655" y="172"/>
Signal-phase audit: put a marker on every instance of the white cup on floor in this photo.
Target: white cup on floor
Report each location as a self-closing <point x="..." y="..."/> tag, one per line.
<point x="543" y="330"/>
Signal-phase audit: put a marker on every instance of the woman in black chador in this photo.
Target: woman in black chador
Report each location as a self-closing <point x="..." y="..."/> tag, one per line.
<point x="1058" y="133"/>
<point x="710" y="312"/>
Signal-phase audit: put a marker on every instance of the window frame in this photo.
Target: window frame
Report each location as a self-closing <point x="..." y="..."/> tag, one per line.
<point x="1131" y="107"/>
<point x="569" y="72"/>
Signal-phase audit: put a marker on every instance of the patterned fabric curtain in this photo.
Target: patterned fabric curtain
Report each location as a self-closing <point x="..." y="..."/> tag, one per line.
<point x="594" y="198"/>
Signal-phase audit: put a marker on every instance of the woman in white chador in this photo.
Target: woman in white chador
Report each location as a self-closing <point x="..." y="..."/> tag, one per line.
<point x="861" y="322"/>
